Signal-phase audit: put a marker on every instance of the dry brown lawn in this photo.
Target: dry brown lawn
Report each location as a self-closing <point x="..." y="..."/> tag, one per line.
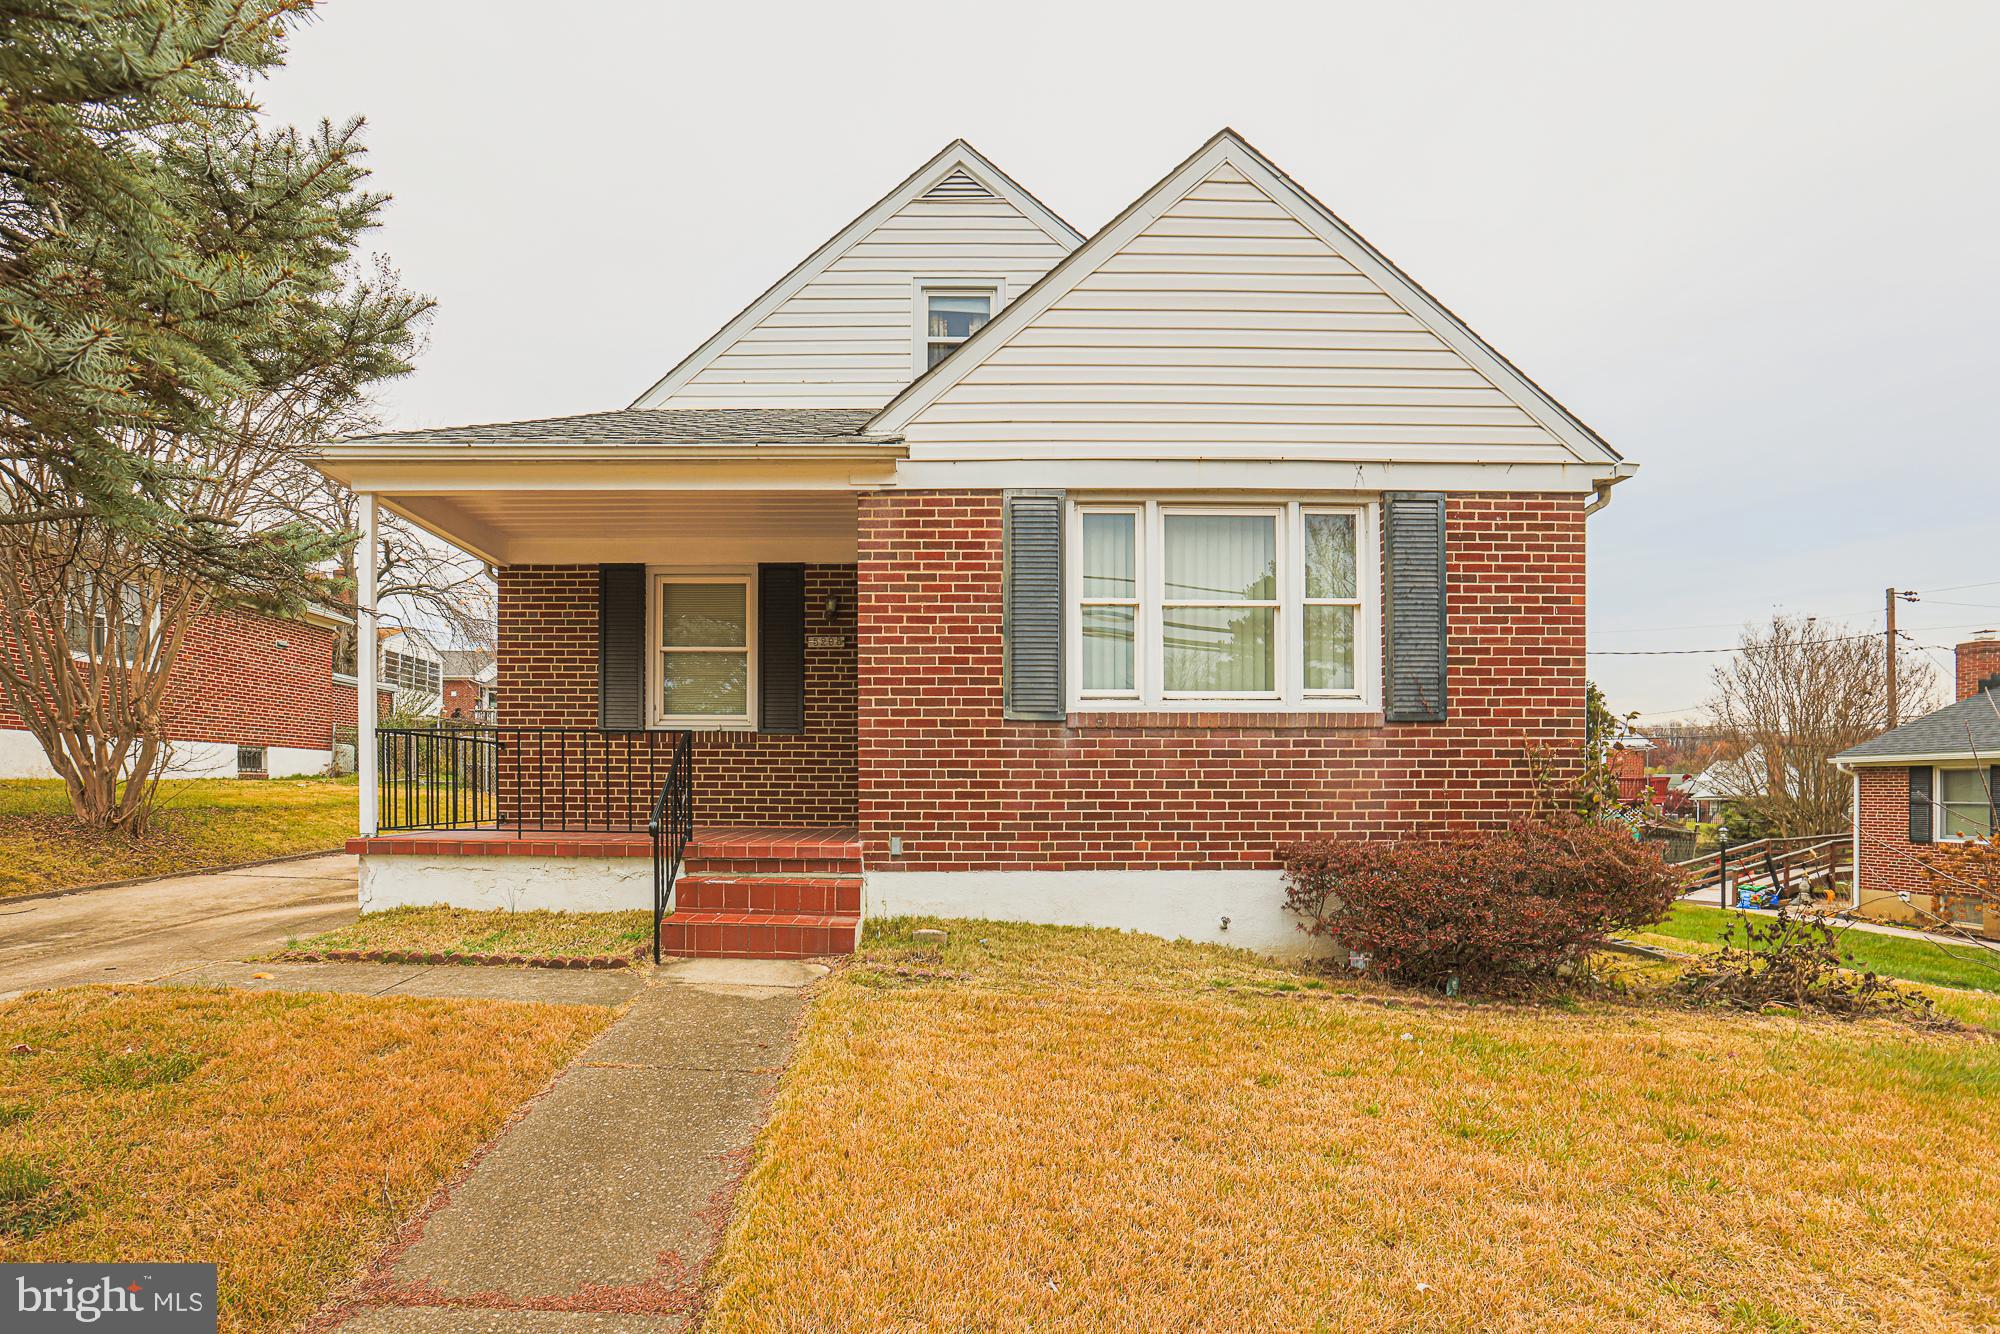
<point x="1065" y="1129"/>
<point x="199" y="823"/>
<point x="281" y="1136"/>
<point x="462" y="931"/>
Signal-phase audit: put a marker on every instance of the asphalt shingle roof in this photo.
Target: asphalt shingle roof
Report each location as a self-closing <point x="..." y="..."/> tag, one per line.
<point x="462" y="664"/>
<point x="1969" y="727"/>
<point x="651" y="426"/>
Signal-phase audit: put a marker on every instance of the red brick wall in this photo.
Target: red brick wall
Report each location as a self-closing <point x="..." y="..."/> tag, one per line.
<point x="250" y="680"/>
<point x="1888" y="858"/>
<point x="548" y="678"/>
<point x="461" y="697"/>
<point x="1978" y="660"/>
<point x="967" y="789"/>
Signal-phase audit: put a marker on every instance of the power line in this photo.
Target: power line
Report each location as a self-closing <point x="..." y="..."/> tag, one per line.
<point x="1738" y="648"/>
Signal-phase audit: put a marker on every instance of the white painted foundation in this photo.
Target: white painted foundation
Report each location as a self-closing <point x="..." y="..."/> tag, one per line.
<point x="514" y="884"/>
<point x="1180" y="905"/>
<point x="21" y="756"/>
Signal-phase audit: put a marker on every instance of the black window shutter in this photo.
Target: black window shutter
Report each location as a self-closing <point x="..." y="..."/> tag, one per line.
<point x="621" y="647"/>
<point x="781" y="648"/>
<point x="1920" y="804"/>
<point x="1413" y="538"/>
<point x="1031" y="606"/>
<point x="1993" y="796"/>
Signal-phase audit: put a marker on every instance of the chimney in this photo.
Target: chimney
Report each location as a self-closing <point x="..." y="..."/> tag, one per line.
<point x="1979" y="664"/>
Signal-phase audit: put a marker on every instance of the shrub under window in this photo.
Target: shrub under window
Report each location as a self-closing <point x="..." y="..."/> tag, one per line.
<point x="1480" y="909"/>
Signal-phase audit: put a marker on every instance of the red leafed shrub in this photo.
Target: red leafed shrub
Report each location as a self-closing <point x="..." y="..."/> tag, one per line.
<point x="1479" y="910"/>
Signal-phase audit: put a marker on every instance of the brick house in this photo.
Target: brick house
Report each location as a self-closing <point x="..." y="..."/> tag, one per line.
<point x="984" y="569"/>
<point x="1923" y="786"/>
<point x="469" y="676"/>
<point x="252" y="696"/>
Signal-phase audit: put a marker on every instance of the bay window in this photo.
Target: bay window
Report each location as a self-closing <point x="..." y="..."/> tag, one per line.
<point x="1251" y="606"/>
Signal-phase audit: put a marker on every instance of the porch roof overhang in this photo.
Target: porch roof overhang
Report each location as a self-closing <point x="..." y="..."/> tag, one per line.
<point x="535" y="502"/>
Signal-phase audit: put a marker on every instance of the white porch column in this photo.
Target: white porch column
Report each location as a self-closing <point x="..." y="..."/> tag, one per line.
<point x="367" y="661"/>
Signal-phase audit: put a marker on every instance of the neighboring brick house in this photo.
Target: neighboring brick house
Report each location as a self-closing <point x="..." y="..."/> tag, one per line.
<point x="978" y="568"/>
<point x="251" y="695"/>
<point x="1923" y="786"/>
<point x="469" y="693"/>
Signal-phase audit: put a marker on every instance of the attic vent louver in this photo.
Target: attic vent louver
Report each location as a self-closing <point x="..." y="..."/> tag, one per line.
<point x="959" y="185"/>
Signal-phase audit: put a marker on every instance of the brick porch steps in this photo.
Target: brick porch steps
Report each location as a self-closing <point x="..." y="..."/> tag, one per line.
<point x="792" y="894"/>
<point x="758" y="935"/>
<point x="744" y="891"/>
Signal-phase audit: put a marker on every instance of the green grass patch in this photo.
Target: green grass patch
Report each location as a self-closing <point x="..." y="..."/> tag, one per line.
<point x="199" y="823"/>
<point x="1970" y="967"/>
<point x="461" y="931"/>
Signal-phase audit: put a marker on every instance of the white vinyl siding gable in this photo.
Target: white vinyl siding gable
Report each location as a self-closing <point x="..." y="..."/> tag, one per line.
<point x="844" y="338"/>
<point x="1226" y="327"/>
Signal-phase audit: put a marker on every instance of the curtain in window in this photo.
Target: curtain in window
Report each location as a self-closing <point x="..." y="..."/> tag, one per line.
<point x="1962" y="795"/>
<point x="1220" y="559"/>
<point x="1110" y="571"/>
<point x="695" y="618"/>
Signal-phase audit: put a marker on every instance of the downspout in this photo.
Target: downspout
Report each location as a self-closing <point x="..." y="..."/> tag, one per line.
<point x="1854" y="818"/>
<point x="1601" y="487"/>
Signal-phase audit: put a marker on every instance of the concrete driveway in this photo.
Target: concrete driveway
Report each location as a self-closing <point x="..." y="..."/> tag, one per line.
<point x="141" y="933"/>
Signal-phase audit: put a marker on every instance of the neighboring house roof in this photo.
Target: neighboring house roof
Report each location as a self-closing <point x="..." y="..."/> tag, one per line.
<point x="1969" y="729"/>
<point x="1725" y="779"/>
<point x="412" y="640"/>
<point x="959" y="189"/>
<point x="463" y="664"/>
<point x="1237" y="176"/>
<point x="650" y="426"/>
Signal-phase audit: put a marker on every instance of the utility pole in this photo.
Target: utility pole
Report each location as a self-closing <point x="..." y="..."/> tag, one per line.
<point x="1889" y="652"/>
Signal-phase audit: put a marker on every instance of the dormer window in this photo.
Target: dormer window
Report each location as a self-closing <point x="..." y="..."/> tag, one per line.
<point x="948" y="315"/>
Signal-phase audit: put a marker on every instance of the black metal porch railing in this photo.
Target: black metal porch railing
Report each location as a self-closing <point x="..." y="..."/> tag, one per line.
<point x="672" y="826"/>
<point x="455" y="775"/>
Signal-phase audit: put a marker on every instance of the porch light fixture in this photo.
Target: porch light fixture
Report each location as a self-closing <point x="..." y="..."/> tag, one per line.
<point x="833" y="606"/>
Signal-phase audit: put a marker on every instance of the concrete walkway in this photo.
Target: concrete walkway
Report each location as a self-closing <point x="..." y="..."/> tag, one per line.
<point x="149" y="931"/>
<point x="598" y="1208"/>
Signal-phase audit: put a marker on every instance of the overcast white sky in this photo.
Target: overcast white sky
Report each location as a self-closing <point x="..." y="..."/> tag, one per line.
<point x="1753" y="244"/>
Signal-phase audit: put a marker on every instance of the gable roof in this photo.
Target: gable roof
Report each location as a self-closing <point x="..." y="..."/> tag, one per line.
<point x="648" y="426"/>
<point x="1969" y="729"/>
<point x="958" y="173"/>
<point x="1225" y="153"/>
<point x="466" y="664"/>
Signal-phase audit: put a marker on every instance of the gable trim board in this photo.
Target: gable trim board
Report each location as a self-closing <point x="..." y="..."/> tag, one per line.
<point x="958" y="174"/>
<point x="1228" y="159"/>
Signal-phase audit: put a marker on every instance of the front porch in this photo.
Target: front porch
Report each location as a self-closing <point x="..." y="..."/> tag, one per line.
<point x="728" y="891"/>
<point x="675" y="722"/>
<point x="582" y="819"/>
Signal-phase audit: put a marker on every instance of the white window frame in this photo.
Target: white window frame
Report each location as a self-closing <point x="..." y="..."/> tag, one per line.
<point x="147" y="623"/>
<point x="1289" y="695"/>
<point x="656" y="578"/>
<point x="1938" y="803"/>
<point x="923" y="289"/>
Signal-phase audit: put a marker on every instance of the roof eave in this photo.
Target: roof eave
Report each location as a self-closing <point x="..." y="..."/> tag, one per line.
<point x="338" y="460"/>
